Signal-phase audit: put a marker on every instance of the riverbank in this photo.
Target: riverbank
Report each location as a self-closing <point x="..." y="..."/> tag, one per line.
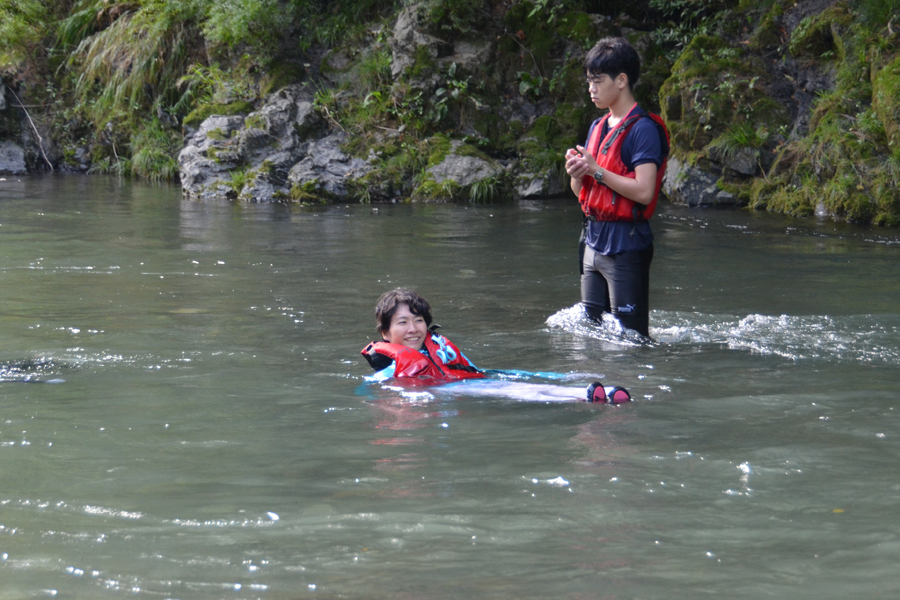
<point x="782" y="106"/>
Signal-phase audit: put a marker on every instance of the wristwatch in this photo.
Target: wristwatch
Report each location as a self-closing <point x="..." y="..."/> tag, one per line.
<point x="598" y="176"/>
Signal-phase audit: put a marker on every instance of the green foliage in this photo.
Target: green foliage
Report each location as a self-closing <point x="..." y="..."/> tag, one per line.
<point x="534" y="36"/>
<point x="201" y="113"/>
<point x="741" y="135"/>
<point x="133" y="65"/>
<point x="877" y="12"/>
<point x="153" y="149"/>
<point x="886" y="100"/>
<point x="529" y="85"/>
<point x="819" y="36"/>
<point x="459" y="16"/>
<point x="257" y="24"/>
<point x="686" y="19"/>
<point x="484" y="190"/>
<point x="543" y="146"/>
<point x="307" y="193"/>
<point x="23" y="27"/>
<point x="712" y="88"/>
<point x="211" y="85"/>
<point x="279" y="75"/>
<point x="239" y="179"/>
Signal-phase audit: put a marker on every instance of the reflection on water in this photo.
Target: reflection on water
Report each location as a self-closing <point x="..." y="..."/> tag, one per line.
<point x="212" y="435"/>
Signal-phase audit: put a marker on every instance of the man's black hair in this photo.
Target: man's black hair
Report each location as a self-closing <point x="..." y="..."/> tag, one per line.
<point x="611" y="56"/>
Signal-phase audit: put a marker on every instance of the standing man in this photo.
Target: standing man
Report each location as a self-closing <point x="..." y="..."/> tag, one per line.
<point x="617" y="176"/>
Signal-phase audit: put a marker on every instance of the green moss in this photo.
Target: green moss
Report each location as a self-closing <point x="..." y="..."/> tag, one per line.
<point x="742" y="191"/>
<point x="280" y="75"/>
<point x="798" y="201"/>
<point x="255" y="122"/>
<point x="712" y="87"/>
<point x="819" y="36"/>
<point x="887" y="197"/>
<point x="216" y="134"/>
<point x="153" y="149"/>
<point x="438" y="148"/>
<point x="543" y="146"/>
<point x="470" y="150"/>
<point x="423" y="63"/>
<point x="886" y="100"/>
<point x="568" y="85"/>
<point x="767" y="34"/>
<point x="400" y="161"/>
<point x="307" y="192"/>
<point x="578" y="27"/>
<point x="534" y="32"/>
<point x="201" y="113"/>
<point x="430" y="190"/>
<point x="492" y="128"/>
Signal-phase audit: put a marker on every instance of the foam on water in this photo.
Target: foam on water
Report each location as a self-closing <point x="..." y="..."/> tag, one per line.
<point x="867" y="339"/>
<point x="576" y="320"/>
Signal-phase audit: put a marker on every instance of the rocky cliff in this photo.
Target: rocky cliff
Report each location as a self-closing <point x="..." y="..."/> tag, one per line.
<point x="786" y="106"/>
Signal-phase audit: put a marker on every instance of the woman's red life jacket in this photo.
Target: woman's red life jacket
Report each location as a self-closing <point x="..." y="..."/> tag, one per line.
<point x="444" y="362"/>
<point x="599" y="201"/>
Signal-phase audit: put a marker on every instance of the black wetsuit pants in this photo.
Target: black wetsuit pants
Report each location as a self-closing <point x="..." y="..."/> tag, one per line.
<point x="618" y="284"/>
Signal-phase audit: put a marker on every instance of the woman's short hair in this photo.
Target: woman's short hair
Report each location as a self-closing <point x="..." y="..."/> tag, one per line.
<point x="611" y="56"/>
<point x="390" y="301"/>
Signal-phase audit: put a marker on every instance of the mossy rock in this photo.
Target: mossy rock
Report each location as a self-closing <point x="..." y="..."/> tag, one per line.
<point x="201" y="113"/>
<point x="487" y="190"/>
<point x="430" y="190"/>
<point x="820" y="36"/>
<point x="308" y="192"/>
<point x="256" y="121"/>
<point x="493" y="130"/>
<point x="569" y="84"/>
<point x="278" y="76"/>
<point x="887" y="203"/>
<point x="767" y="34"/>
<point x="886" y="100"/>
<point x="713" y="86"/>
<point x="439" y="147"/>
<point x="790" y="200"/>
<point x="534" y="32"/>
<point x="543" y="146"/>
<point x="216" y="134"/>
<point x="424" y="64"/>
<point x="577" y="27"/>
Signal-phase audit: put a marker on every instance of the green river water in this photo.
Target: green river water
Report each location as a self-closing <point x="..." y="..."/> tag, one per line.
<point x="184" y="413"/>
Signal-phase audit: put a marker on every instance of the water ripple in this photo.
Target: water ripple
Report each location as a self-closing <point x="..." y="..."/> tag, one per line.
<point x="871" y="339"/>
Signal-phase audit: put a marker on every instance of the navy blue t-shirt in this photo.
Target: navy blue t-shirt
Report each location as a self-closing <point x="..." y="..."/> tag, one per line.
<point x="642" y="145"/>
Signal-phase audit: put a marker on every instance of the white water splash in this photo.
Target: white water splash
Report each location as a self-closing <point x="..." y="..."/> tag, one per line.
<point x="873" y="339"/>
<point x="576" y="320"/>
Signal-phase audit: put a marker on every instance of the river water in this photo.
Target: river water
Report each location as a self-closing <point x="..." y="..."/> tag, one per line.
<point x="184" y="414"/>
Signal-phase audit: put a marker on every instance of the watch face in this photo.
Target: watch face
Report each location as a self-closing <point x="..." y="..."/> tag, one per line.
<point x="598" y="177"/>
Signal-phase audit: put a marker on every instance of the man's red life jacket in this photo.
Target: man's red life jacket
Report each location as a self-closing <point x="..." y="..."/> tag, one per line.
<point x="444" y="362"/>
<point x="599" y="201"/>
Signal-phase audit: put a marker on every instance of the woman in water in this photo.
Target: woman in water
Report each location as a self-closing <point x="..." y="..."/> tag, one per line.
<point x="412" y="348"/>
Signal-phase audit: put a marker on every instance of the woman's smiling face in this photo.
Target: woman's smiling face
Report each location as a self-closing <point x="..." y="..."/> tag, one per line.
<point x="406" y="329"/>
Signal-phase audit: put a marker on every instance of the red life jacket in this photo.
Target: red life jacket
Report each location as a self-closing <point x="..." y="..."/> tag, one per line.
<point x="445" y="362"/>
<point x="599" y="201"/>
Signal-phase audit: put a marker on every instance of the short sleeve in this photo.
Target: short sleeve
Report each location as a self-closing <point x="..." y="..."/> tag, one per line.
<point x="643" y="145"/>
